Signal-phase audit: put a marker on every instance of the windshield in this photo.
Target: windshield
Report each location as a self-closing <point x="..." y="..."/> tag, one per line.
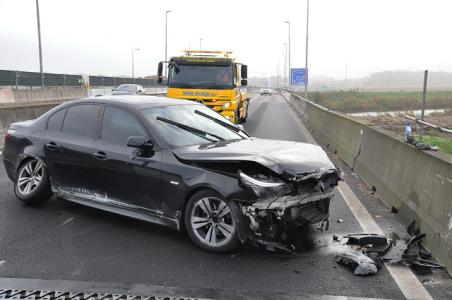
<point x="204" y="76"/>
<point x="187" y="123"/>
<point x="127" y="88"/>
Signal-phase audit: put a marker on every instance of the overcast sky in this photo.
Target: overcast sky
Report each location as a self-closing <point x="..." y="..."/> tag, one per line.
<point x="96" y="36"/>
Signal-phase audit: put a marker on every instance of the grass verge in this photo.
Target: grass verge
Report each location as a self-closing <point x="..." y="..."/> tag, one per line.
<point x="444" y="144"/>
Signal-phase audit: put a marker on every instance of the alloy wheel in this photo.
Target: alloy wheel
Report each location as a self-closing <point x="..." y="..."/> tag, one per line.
<point x="212" y="221"/>
<point x="30" y="177"/>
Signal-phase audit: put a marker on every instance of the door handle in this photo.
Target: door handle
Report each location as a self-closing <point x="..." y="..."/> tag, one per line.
<point x="52" y="146"/>
<point x="100" y="155"/>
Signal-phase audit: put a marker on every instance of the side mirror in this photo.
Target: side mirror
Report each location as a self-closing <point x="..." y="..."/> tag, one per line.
<point x="160" y="72"/>
<point x="244" y="72"/>
<point x="140" y="92"/>
<point x="244" y="82"/>
<point x="113" y="90"/>
<point x="240" y="127"/>
<point x="144" y="147"/>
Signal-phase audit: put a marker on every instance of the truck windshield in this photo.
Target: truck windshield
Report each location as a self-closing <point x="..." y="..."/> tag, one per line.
<point x="201" y="76"/>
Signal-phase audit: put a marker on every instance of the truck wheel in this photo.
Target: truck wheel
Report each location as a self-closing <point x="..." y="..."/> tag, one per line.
<point x="32" y="184"/>
<point x="211" y="221"/>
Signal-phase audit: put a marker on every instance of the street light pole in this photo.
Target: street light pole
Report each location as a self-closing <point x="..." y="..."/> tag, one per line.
<point x="40" y="48"/>
<point x="200" y="41"/>
<point x="285" y="65"/>
<point x="133" y="64"/>
<point x="166" y="39"/>
<point x="306" y="59"/>
<point x="290" y="54"/>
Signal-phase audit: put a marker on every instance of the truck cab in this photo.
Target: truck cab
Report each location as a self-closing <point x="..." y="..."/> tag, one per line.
<point x="212" y="78"/>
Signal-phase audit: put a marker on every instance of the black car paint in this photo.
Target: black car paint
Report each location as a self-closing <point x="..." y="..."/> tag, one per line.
<point x="139" y="181"/>
<point x="152" y="188"/>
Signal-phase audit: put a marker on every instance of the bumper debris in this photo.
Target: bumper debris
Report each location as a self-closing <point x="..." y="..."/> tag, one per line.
<point x="366" y="250"/>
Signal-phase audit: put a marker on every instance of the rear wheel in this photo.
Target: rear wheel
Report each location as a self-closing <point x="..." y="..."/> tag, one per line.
<point x="32" y="184"/>
<point x="211" y="221"/>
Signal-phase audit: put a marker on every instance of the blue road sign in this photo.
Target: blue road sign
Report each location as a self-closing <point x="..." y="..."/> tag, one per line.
<point x="298" y="76"/>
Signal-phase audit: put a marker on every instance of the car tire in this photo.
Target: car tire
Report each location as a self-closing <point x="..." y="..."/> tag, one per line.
<point x="32" y="184"/>
<point x="212" y="222"/>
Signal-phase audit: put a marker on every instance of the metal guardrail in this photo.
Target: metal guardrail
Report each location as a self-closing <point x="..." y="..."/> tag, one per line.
<point x="436" y="127"/>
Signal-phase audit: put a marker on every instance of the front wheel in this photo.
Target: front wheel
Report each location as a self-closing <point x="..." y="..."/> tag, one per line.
<point x="32" y="184"/>
<point x="211" y="221"/>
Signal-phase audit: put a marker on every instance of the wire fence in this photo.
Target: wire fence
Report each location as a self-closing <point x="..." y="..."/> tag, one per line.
<point x="21" y="79"/>
<point x="101" y="81"/>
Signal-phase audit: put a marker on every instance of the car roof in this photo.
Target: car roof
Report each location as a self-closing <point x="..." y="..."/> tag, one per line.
<point x="131" y="84"/>
<point x="135" y="101"/>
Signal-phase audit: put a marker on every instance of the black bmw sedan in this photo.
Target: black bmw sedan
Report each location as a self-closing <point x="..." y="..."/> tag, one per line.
<point x="172" y="162"/>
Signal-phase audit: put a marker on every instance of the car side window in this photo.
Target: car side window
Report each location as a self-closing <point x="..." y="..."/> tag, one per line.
<point x="118" y="125"/>
<point x="81" y="120"/>
<point x="56" y="120"/>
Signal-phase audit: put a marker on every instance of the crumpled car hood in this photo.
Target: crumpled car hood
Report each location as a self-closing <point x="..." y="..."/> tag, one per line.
<point x="282" y="157"/>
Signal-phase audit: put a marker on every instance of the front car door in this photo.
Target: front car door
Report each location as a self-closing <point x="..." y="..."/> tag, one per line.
<point x="118" y="175"/>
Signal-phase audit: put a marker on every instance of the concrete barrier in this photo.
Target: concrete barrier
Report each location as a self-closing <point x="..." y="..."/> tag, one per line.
<point x="6" y="96"/>
<point x="20" y="105"/>
<point x="49" y="94"/>
<point x="337" y="132"/>
<point x="418" y="184"/>
<point x="40" y="95"/>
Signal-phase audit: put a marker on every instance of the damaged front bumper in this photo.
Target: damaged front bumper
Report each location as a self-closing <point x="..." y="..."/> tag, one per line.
<point x="281" y="206"/>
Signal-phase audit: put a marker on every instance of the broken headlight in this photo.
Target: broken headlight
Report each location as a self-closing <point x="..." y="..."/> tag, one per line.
<point x="263" y="186"/>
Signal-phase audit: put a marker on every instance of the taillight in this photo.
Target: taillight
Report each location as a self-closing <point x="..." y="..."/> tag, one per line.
<point x="8" y="134"/>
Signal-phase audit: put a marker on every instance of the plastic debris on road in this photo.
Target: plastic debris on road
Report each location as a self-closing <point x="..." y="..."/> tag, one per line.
<point x="367" y="252"/>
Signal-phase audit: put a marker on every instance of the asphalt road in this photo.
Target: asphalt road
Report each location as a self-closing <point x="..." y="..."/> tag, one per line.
<point x="70" y="242"/>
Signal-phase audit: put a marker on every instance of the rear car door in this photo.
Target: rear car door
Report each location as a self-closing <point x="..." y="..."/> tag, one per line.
<point x="118" y="175"/>
<point x="68" y="148"/>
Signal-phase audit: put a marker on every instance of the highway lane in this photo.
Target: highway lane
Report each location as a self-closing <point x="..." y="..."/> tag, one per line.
<point x="66" y="241"/>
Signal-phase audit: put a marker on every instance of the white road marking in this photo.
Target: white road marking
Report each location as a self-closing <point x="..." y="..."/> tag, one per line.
<point x="407" y="282"/>
<point x="65" y="222"/>
<point x="2" y="262"/>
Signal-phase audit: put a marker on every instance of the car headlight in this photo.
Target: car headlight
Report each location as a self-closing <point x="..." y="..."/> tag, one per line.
<point x="263" y="188"/>
<point x="226" y="105"/>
